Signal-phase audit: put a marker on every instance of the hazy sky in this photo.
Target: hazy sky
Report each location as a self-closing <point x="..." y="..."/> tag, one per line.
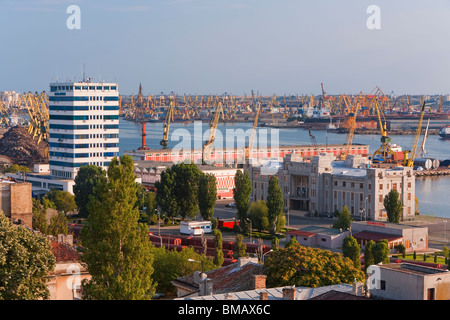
<point x="235" y="46"/>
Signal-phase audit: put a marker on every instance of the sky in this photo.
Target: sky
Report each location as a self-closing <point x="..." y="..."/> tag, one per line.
<point x="283" y="47"/>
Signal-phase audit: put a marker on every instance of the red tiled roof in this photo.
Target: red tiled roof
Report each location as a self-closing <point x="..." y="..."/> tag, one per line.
<point x="301" y="233"/>
<point x="63" y="253"/>
<point x="375" y="236"/>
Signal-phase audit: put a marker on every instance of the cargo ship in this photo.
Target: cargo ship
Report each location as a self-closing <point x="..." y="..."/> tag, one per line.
<point x="444" y="133"/>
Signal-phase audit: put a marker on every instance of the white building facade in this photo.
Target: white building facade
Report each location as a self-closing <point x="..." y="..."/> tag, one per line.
<point x="83" y="126"/>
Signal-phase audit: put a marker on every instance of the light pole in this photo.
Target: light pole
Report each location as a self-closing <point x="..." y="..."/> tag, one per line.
<point x="445" y="231"/>
<point x="201" y="263"/>
<point x="250" y="229"/>
<point x="288" y="205"/>
<point x="265" y="255"/>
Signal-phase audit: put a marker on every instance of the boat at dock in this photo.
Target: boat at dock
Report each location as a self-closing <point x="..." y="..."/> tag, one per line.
<point x="444" y="133"/>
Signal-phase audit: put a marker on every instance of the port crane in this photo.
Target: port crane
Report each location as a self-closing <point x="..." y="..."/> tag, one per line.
<point x="314" y="142"/>
<point x="251" y="140"/>
<point x="351" y="126"/>
<point x="212" y="133"/>
<point x="409" y="160"/>
<point x="384" y="150"/>
<point x="410" y="156"/>
<point x="166" y="126"/>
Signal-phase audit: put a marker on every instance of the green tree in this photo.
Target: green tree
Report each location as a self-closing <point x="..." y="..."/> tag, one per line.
<point x="58" y="225"/>
<point x="401" y="249"/>
<point x="368" y="255"/>
<point x="63" y="200"/>
<point x="414" y="255"/>
<point x="241" y="194"/>
<point x="302" y="266"/>
<point x="380" y="252"/>
<point x="292" y="242"/>
<point x="171" y="264"/>
<point x="207" y="195"/>
<point x="117" y="251"/>
<point x="39" y="219"/>
<point x="86" y="181"/>
<point x="344" y="221"/>
<point x="166" y="197"/>
<point x="177" y="191"/>
<point x="25" y="262"/>
<point x="187" y="188"/>
<point x="258" y="214"/>
<point x="393" y="206"/>
<point x="240" y="248"/>
<point x="218" y="248"/>
<point x="275" y="205"/>
<point x="352" y="250"/>
<point x="275" y="242"/>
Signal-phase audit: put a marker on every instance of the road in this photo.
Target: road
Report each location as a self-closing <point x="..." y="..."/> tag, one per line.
<point x="438" y="230"/>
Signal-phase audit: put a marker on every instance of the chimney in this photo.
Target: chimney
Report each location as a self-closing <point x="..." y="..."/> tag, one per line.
<point x="289" y="293"/>
<point x="259" y="281"/>
<point x="263" y="295"/>
<point x="206" y="287"/>
<point x="357" y="288"/>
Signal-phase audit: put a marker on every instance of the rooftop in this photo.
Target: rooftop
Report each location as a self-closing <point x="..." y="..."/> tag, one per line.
<point x="234" y="277"/>
<point x="412" y="268"/>
<point x="321" y="230"/>
<point x="302" y="293"/>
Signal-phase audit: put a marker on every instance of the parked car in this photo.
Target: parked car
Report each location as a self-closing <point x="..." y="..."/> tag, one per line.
<point x="231" y="205"/>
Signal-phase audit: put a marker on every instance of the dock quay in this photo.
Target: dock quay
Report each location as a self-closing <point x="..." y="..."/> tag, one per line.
<point x="433" y="172"/>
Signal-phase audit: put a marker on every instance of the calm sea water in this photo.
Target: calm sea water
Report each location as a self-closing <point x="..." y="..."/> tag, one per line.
<point x="432" y="193"/>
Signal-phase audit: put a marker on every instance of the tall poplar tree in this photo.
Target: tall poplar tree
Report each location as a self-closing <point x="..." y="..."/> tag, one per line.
<point x="393" y="206"/>
<point x="116" y="247"/>
<point x="241" y="194"/>
<point x="275" y="205"/>
<point x="207" y="195"/>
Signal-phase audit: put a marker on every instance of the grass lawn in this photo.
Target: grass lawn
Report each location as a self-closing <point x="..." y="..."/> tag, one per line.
<point x="419" y="257"/>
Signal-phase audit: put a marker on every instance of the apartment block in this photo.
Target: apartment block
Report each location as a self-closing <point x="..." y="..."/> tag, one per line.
<point x="83" y="126"/>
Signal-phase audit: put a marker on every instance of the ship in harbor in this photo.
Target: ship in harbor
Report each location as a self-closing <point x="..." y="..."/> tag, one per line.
<point x="444" y="133"/>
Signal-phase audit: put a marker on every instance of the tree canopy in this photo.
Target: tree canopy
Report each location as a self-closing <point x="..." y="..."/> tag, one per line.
<point x="275" y="205"/>
<point x="393" y="206"/>
<point x="207" y="195"/>
<point x="88" y="177"/>
<point x="309" y="267"/>
<point x="241" y="194"/>
<point x="25" y="262"/>
<point x="177" y="191"/>
<point x="116" y="247"/>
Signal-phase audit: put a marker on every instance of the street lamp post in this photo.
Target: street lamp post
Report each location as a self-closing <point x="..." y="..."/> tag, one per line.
<point x="265" y="255"/>
<point x="288" y="206"/>
<point x="201" y="263"/>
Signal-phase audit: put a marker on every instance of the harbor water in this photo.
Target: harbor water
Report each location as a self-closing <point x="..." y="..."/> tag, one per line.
<point x="432" y="192"/>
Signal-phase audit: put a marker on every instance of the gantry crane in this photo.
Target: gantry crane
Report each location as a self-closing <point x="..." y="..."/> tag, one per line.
<point x="212" y="133"/>
<point x="384" y="150"/>
<point x="251" y="140"/>
<point x="410" y="156"/>
<point x="409" y="160"/>
<point x="314" y="143"/>
<point x="168" y="119"/>
<point x="351" y="125"/>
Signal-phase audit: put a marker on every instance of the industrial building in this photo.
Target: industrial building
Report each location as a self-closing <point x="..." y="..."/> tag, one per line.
<point x="412" y="237"/>
<point x="149" y="172"/>
<point x="323" y="185"/>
